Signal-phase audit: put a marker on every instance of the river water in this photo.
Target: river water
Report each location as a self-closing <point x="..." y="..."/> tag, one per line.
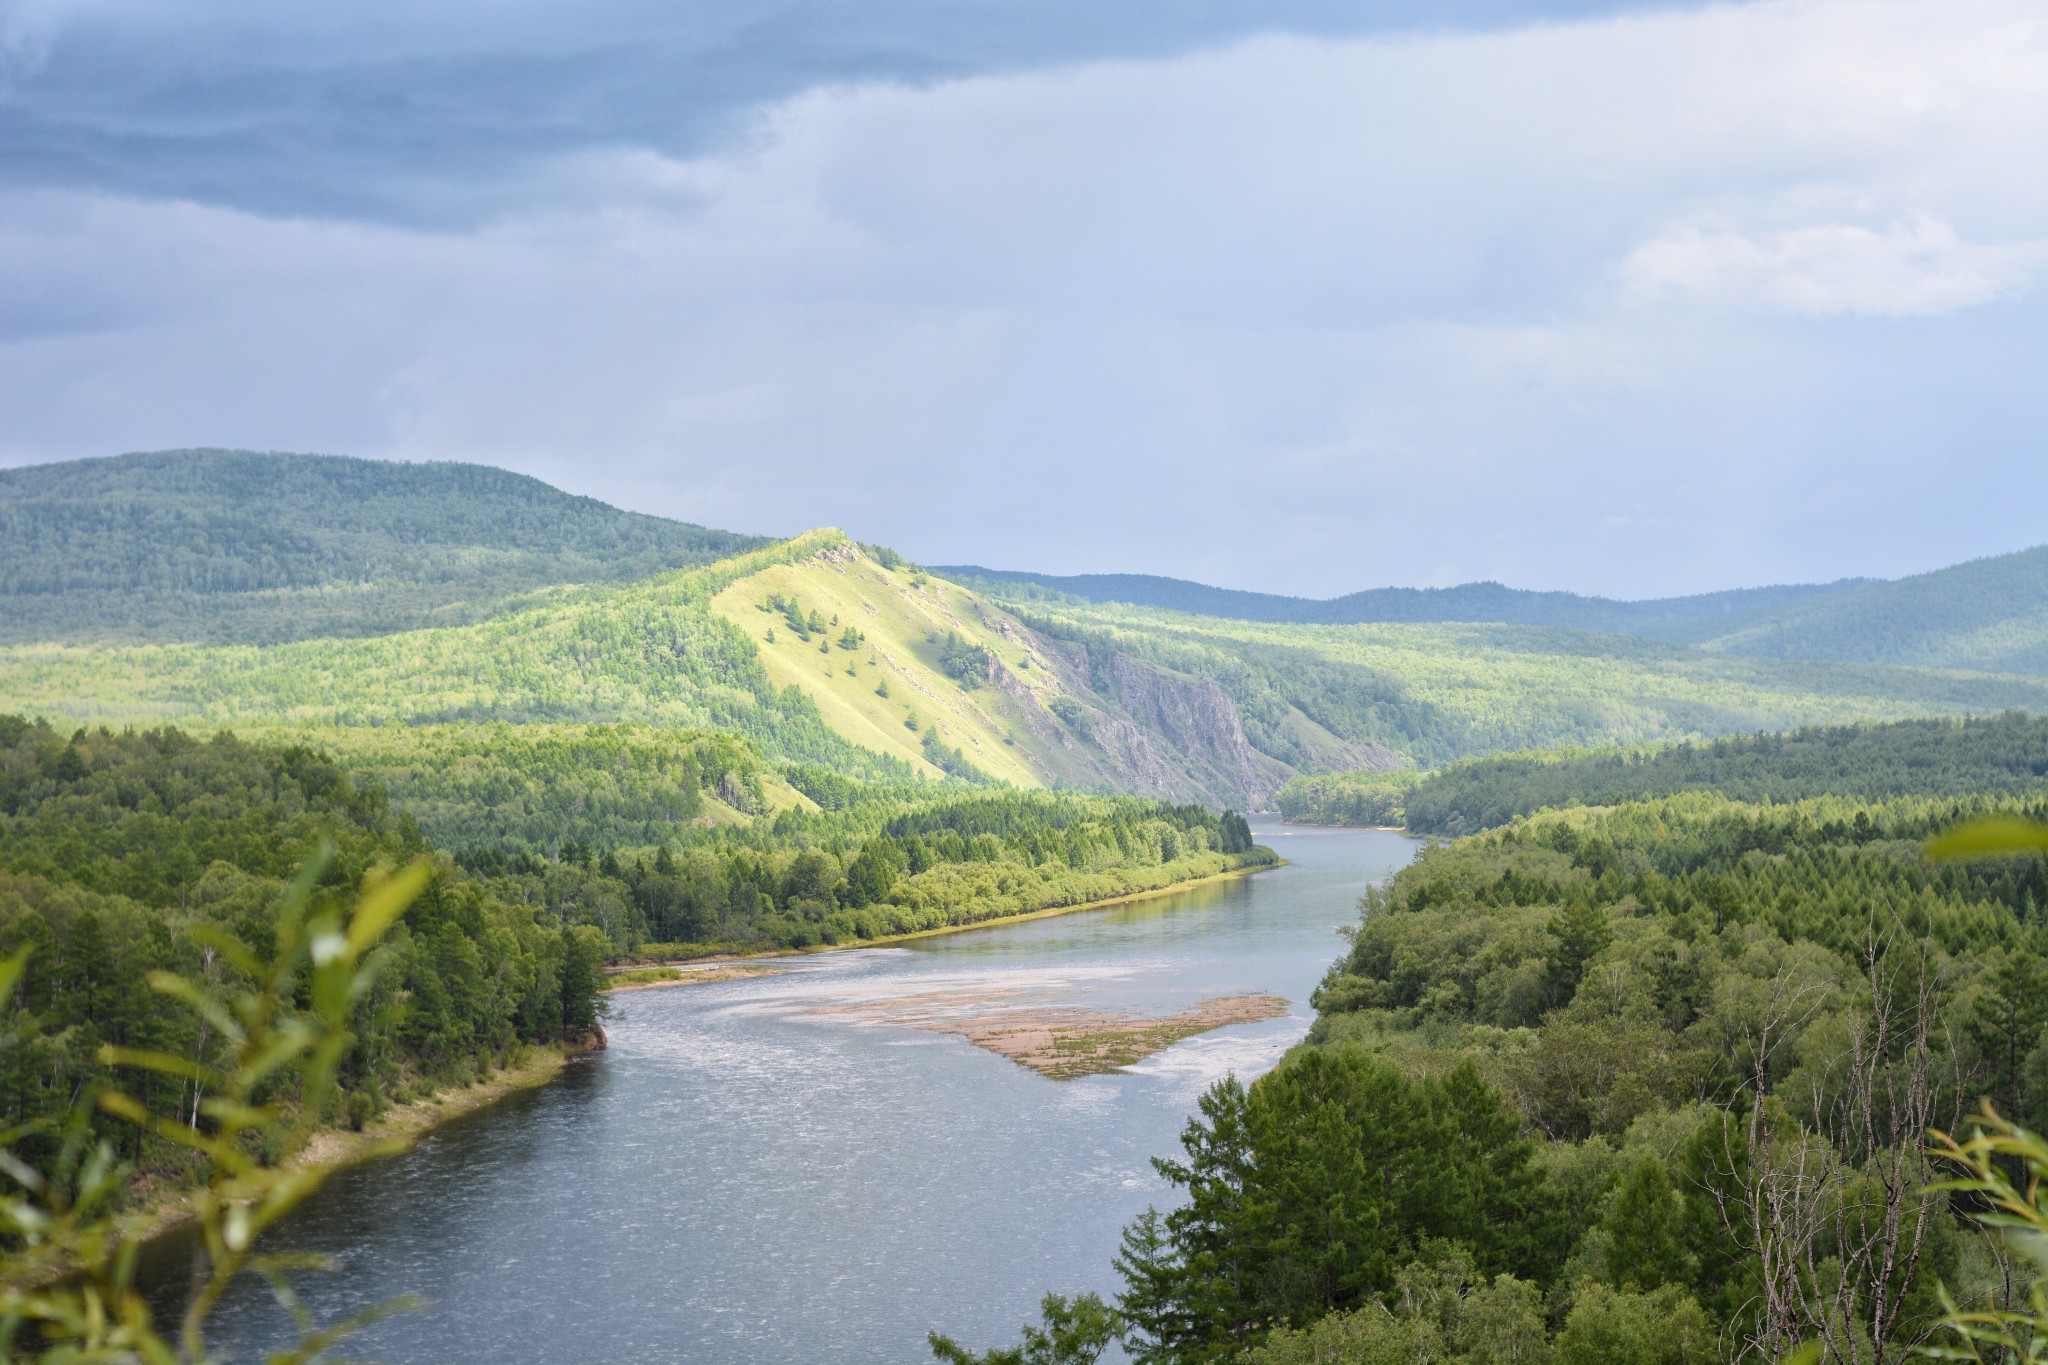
<point x="767" y="1170"/>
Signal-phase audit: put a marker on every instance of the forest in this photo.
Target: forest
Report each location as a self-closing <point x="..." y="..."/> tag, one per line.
<point x="123" y="854"/>
<point x="889" y="861"/>
<point x="2004" y="755"/>
<point x="1676" y="620"/>
<point x="1355" y="798"/>
<point x="126" y="853"/>
<point x="1650" y="1083"/>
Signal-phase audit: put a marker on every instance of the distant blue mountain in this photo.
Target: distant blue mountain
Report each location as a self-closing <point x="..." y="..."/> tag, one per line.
<point x="1677" y="620"/>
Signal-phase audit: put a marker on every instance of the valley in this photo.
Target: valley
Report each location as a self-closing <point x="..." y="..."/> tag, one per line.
<point x="648" y="784"/>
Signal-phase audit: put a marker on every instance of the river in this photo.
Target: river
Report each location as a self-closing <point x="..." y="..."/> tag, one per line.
<point x="766" y="1170"/>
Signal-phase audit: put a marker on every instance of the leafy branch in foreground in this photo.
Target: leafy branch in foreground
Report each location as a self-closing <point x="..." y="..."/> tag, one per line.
<point x="2009" y="1329"/>
<point x="1076" y="1332"/>
<point x="67" y="1261"/>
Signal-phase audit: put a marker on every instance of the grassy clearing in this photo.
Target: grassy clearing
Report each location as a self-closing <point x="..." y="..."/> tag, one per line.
<point x="872" y="691"/>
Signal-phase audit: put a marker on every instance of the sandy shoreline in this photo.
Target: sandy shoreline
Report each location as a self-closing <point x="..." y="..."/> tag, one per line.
<point x="690" y="974"/>
<point x="1048" y="912"/>
<point x="728" y="966"/>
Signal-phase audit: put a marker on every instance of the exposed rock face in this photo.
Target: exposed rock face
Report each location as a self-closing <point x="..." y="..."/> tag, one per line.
<point x="1198" y="721"/>
<point x="1159" y="733"/>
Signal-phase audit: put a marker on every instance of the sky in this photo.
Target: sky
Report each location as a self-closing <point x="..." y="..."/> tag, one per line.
<point x="1293" y="296"/>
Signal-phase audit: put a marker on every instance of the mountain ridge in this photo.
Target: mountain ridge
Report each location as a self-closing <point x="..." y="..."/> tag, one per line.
<point x="229" y="546"/>
<point x="1985" y="615"/>
<point x="1691" y="619"/>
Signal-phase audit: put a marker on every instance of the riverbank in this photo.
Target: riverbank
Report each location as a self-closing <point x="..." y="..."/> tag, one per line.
<point x="725" y="967"/>
<point x="681" y="974"/>
<point x="1048" y="912"/>
<point x="1376" y="829"/>
<point x="164" y="1209"/>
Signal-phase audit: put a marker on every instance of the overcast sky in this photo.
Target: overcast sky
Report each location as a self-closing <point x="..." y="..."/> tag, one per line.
<point x="1298" y="296"/>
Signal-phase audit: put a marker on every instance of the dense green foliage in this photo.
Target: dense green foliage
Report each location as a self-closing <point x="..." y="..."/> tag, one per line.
<point x="1361" y="798"/>
<point x="1664" y="987"/>
<point x="1645" y="1083"/>
<point x="2001" y="756"/>
<point x="124" y="854"/>
<point x="222" y="545"/>
<point x="963" y="661"/>
<point x="70" y="1291"/>
<point x="538" y="788"/>
<point x="888" y="861"/>
<point x="1307" y="1193"/>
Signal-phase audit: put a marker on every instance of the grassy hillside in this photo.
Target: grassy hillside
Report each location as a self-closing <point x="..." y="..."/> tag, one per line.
<point x="650" y="652"/>
<point x="1432" y="694"/>
<point x="235" y="546"/>
<point x="749" y="646"/>
<point x="1679" y="620"/>
<point x="1035" y="694"/>
<point x="1989" y="614"/>
<point x="923" y="670"/>
<point x="869" y="645"/>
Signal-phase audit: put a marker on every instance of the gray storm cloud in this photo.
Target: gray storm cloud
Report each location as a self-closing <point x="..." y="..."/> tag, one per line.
<point x="1637" y="303"/>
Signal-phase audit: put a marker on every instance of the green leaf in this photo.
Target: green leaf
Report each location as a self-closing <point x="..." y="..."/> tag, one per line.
<point x="1990" y="836"/>
<point x="384" y="902"/>
<point x="166" y="1063"/>
<point x="11" y="970"/>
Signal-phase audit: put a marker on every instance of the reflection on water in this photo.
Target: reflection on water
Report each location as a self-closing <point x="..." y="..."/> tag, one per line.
<point x="744" y="1178"/>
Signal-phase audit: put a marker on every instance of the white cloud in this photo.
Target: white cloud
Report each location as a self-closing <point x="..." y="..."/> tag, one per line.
<point x="1290" y="314"/>
<point x="1917" y="269"/>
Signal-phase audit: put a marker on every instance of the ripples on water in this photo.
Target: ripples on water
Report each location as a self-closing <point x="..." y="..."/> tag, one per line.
<point x="745" y="1179"/>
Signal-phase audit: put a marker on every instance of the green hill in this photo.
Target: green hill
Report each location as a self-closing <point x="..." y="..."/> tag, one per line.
<point x="1427" y="695"/>
<point x="816" y="652"/>
<point x="231" y="546"/>
<point x="896" y="674"/>
<point x="651" y="652"/>
<point x="1989" y="614"/>
<point x="379" y="609"/>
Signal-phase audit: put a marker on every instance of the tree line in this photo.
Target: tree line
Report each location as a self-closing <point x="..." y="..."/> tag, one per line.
<point x="889" y="861"/>
<point x="1987" y="755"/>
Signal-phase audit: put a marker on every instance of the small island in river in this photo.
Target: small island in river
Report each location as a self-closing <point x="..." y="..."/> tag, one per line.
<point x="1060" y="1042"/>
